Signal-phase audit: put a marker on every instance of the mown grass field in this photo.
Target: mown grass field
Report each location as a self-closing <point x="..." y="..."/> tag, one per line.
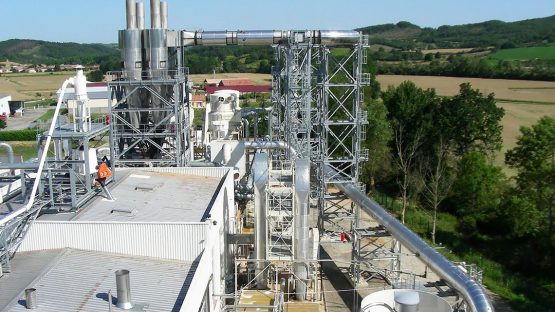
<point x="525" y="102"/>
<point x="531" y="53"/>
<point x="32" y="86"/>
<point x="257" y="79"/>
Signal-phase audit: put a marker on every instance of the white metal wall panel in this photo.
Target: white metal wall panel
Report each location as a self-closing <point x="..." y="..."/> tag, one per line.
<point x="218" y="172"/>
<point x="178" y="241"/>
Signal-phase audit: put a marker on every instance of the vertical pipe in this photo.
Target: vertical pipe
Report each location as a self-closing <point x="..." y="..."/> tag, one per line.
<point x="123" y="290"/>
<point x="30" y="298"/>
<point x="302" y="189"/>
<point x="260" y="177"/>
<point x="131" y="14"/>
<point x="8" y="148"/>
<point x="140" y="11"/>
<point x="164" y="14"/>
<point x="155" y="22"/>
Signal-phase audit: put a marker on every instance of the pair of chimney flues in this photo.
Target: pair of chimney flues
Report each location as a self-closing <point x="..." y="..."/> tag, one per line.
<point x="136" y="14"/>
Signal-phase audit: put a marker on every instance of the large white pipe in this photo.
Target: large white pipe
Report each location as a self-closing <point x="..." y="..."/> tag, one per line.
<point x="8" y="148"/>
<point x="474" y="294"/>
<point x="271" y="37"/>
<point x="260" y="177"/>
<point x="42" y="160"/>
<point x="302" y="190"/>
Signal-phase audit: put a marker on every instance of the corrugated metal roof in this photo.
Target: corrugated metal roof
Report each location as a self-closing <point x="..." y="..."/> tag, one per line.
<point x="80" y="281"/>
<point x="151" y="196"/>
<point x="243" y="89"/>
<point x="236" y="82"/>
<point x="25" y="268"/>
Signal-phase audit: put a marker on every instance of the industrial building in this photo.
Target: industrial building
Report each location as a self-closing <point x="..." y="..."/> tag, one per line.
<point x="97" y="92"/>
<point x="5" y="104"/>
<point x="248" y="217"/>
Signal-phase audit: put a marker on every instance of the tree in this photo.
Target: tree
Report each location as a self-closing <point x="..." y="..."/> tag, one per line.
<point x="409" y="110"/>
<point x="472" y="121"/>
<point x="378" y="138"/>
<point x="477" y="191"/>
<point x="534" y="159"/>
<point x="95" y="75"/>
<point x="438" y="178"/>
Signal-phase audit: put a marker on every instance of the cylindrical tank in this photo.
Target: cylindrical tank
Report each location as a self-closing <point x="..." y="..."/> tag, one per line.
<point x="404" y="300"/>
<point x="224" y="117"/>
<point x="156" y="48"/>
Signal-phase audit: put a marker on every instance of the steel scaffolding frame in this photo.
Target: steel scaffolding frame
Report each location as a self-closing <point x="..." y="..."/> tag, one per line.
<point x="163" y="141"/>
<point x="343" y="128"/>
<point x="376" y="255"/>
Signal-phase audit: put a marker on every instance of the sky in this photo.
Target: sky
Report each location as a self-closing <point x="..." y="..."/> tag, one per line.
<point x="97" y="21"/>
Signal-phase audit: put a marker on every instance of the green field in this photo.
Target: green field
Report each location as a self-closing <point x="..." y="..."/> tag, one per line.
<point x="522" y="54"/>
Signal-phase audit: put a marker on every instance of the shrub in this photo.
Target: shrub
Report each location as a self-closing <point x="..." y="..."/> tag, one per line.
<point x="18" y="135"/>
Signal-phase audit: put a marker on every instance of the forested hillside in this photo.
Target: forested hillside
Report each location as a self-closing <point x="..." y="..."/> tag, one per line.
<point x="486" y="34"/>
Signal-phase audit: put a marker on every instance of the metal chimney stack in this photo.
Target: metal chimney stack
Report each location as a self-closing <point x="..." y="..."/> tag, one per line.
<point x="140" y="12"/>
<point x="155" y="19"/>
<point x="123" y="290"/>
<point x="131" y="14"/>
<point x="164" y="14"/>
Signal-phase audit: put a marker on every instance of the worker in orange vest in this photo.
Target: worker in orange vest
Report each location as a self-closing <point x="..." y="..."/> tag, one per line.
<point x="103" y="173"/>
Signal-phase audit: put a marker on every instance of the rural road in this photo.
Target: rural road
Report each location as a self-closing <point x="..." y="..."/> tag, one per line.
<point x="30" y="115"/>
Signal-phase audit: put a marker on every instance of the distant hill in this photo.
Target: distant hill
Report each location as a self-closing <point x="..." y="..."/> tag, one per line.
<point x="44" y="52"/>
<point x="491" y="33"/>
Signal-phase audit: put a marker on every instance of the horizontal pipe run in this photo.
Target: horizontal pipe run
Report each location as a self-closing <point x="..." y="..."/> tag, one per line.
<point x="472" y="292"/>
<point x="269" y="145"/>
<point x="270" y="37"/>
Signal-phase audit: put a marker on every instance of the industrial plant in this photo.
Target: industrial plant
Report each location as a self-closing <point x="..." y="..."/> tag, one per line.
<point x="241" y="216"/>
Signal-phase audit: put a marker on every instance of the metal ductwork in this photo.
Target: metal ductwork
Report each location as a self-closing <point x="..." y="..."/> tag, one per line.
<point x="474" y="294"/>
<point x="123" y="290"/>
<point x="260" y="176"/>
<point x="302" y="244"/>
<point x="9" y="149"/>
<point x="269" y="145"/>
<point x="270" y="37"/>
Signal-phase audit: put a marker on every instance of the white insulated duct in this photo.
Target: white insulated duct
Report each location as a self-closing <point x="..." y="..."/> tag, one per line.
<point x="474" y="294"/>
<point x="271" y="37"/>
<point x="302" y="190"/>
<point x="260" y="177"/>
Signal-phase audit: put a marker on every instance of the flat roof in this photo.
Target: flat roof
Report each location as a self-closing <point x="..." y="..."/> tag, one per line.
<point x="77" y="280"/>
<point x="148" y="196"/>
